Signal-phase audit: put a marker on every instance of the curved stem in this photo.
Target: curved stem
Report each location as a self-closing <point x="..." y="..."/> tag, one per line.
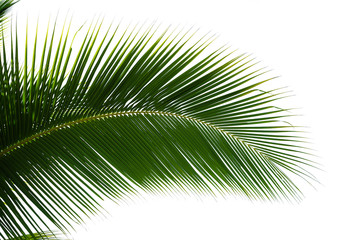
<point x="82" y="120"/>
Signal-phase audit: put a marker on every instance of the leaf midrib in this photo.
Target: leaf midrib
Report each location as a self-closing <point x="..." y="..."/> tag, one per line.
<point x="27" y="140"/>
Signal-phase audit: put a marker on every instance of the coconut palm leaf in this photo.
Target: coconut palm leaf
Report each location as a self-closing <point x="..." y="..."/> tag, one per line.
<point x="140" y="112"/>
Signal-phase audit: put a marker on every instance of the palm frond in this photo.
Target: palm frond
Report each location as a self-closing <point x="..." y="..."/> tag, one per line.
<point x="144" y="112"/>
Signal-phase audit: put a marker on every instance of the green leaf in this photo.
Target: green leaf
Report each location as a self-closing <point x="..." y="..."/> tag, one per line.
<point x="146" y="111"/>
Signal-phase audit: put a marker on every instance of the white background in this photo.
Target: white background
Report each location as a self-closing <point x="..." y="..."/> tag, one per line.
<point x="315" y="47"/>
